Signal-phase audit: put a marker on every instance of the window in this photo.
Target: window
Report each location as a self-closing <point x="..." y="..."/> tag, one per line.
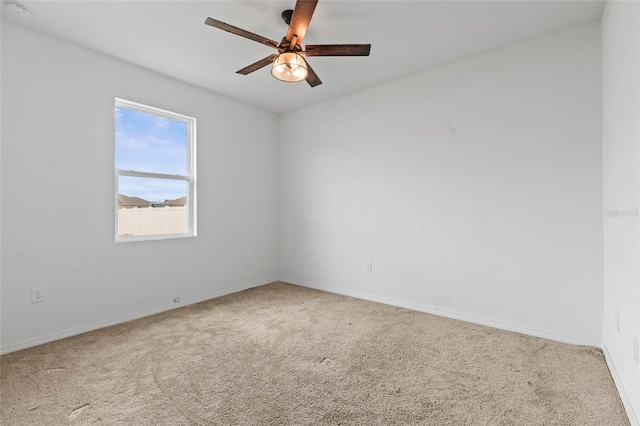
<point x="155" y="173"/>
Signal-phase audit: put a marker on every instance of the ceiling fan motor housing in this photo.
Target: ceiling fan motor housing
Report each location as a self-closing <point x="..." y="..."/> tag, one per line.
<point x="286" y="16"/>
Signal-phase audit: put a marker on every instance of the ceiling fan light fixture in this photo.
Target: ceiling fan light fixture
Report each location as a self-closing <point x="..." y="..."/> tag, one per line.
<point x="289" y="67"/>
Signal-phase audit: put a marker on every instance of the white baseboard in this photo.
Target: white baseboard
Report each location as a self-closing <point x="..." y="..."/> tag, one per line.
<point x="124" y="318"/>
<point x="448" y="314"/>
<point x="626" y="401"/>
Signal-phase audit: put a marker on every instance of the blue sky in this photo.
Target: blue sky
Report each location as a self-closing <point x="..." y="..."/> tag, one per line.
<point x="150" y="143"/>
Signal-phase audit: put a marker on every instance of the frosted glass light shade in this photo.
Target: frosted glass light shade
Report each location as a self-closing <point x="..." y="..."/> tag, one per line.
<point x="289" y="66"/>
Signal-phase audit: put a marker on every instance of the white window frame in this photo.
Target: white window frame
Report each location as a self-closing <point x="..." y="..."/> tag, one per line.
<point x="190" y="177"/>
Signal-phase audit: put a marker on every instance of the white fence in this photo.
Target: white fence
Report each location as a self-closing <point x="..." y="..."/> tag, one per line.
<point x="153" y="220"/>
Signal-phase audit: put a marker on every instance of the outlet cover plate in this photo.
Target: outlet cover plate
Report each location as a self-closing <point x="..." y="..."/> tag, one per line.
<point x="37" y="295"/>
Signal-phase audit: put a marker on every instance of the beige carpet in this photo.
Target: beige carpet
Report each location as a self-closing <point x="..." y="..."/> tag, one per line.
<point x="286" y="355"/>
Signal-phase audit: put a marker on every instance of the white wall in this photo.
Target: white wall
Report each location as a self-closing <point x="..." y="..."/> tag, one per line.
<point x="621" y="188"/>
<point x="58" y="150"/>
<point x="475" y="190"/>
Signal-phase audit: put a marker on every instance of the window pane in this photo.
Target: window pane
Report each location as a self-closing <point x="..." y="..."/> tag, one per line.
<point x="150" y="143"/>
<point x="148" y="206"/>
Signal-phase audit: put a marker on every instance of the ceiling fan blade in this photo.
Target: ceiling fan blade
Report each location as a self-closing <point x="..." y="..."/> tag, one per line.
<point x="300" y="20"/>
<point x="312" y="77"/>
<point x="239" y="31"/>
<point x="257" y="65"/>
<point x="337" y="49"/>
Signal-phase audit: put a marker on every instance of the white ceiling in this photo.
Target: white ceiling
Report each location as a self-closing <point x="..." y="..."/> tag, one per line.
<point x="407" y="37"/>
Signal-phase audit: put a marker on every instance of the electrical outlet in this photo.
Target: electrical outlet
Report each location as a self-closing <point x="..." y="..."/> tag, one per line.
<point x="37" y="295"/>
<point x="636" y="355"/>
<point x="616" y="320"/>
<point x="369" y="266"/>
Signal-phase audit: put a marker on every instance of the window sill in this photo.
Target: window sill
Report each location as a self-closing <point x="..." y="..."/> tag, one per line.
<point x="120" y="239"/>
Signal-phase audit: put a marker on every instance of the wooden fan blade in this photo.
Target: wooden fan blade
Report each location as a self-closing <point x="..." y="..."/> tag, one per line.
<point x="257" y="65"/>
<point x="300" y="20"/>
<point x="337" y="49"/>
<point x="312" y="77"/>
<point x="239" y="31"/>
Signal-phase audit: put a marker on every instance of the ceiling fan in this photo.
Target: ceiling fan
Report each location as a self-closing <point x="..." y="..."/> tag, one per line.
<point x="288" y="64"/>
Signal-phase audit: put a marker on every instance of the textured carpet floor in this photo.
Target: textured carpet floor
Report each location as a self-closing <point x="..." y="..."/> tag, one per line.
<point x="285" y="355"/>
